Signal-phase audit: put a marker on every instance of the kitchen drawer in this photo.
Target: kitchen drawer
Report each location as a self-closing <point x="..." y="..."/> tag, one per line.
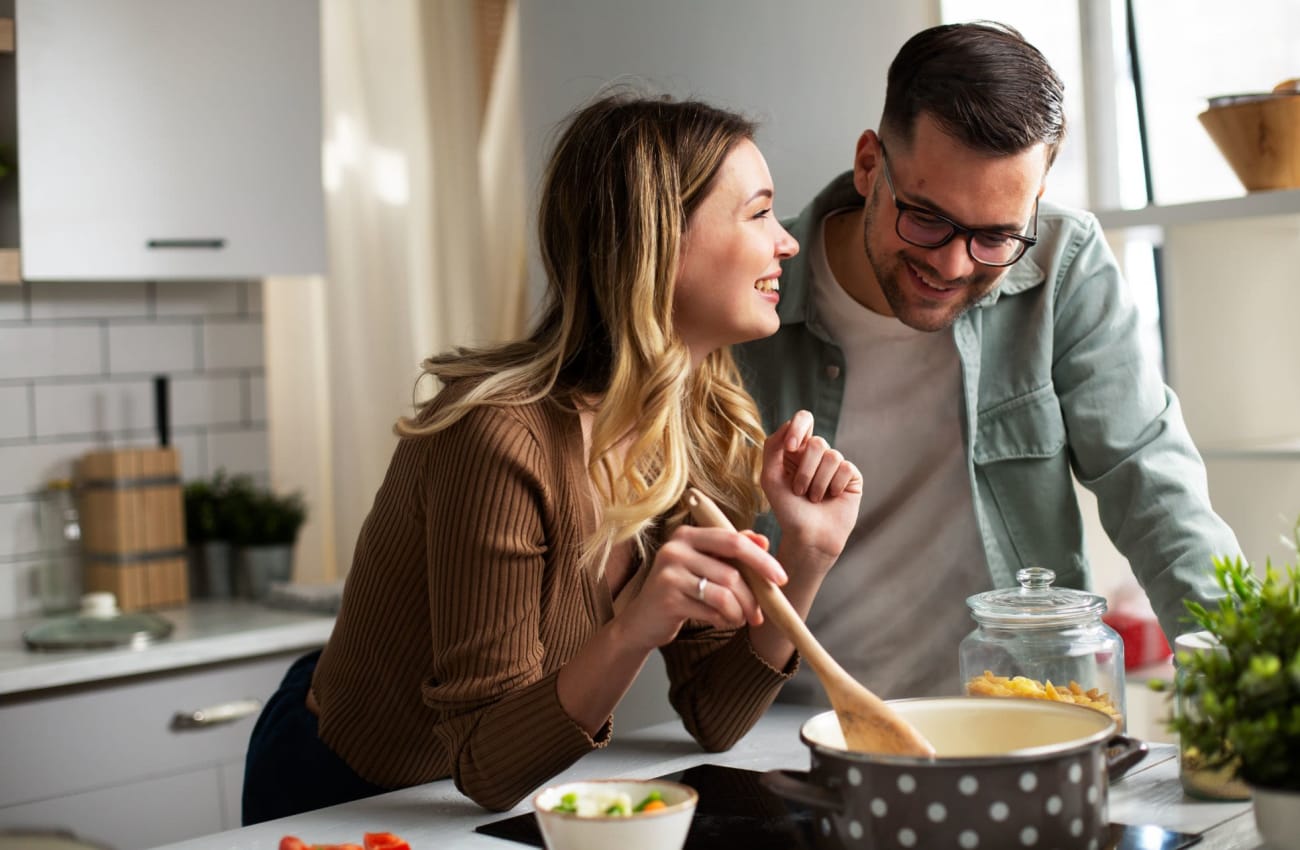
<point x="76" y="740"/>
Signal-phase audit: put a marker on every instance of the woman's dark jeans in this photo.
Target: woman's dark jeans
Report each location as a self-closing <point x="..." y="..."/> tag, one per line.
<point x="289" y="769"/>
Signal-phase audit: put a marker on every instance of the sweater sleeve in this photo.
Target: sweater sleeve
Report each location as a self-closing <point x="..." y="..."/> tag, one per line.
<point x="489" y="507"/>
<point x="718" y="684"/>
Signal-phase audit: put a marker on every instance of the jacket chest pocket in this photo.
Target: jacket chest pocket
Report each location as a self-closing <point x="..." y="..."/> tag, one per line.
<point x="1024" y="428"/>
<point x="1023" y="474"/>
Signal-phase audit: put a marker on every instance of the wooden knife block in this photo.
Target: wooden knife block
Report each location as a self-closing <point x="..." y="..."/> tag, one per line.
<point x="133" y="526"/>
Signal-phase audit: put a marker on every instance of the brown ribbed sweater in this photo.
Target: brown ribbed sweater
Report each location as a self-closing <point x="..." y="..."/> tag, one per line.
<point x="465" y="599"/>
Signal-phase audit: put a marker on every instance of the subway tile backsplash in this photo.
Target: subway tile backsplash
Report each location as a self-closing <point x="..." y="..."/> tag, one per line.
<point x="139" y="348"/>
<point x="51" y="350"/>
<point x="82" y="300"/>
<point x="232" y="344"/>
<point x="77" y="362"/>
<point x="11" y="303"/>
<point x="15" y="412"/>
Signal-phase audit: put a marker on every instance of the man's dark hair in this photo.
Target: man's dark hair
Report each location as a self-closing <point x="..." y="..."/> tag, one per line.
<point x="982" y="82"/>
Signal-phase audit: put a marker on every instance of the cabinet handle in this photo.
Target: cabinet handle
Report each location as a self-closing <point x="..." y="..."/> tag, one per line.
<point x="211" y="244"/>
<point x="215" y="715"/>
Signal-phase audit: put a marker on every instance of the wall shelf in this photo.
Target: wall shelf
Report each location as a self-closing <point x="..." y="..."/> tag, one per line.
<point x="1256" y="204"/>
<point x="1288" y="449"/>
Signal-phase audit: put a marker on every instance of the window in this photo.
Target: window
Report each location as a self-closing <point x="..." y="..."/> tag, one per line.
<point x="1054" y="29"/>
<point x="1195" y="49"/>
<point x="1188" y="51"/>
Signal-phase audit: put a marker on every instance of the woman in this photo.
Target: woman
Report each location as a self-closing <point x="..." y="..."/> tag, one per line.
<point x="526" y="551"/>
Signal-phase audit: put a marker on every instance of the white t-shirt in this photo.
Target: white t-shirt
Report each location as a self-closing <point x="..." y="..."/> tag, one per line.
<point x="892" y="611"/>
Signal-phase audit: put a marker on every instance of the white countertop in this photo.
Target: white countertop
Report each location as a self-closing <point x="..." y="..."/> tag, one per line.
<point x="437" y="816"/>
<point x="205" y="632"/>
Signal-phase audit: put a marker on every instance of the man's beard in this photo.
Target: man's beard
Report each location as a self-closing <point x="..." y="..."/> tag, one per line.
<point x="893" y="277"/>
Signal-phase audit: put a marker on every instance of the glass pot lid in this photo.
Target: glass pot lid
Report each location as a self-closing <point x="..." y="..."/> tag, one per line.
<point x="99" y="625"/>
<point x="1035" y="603"/>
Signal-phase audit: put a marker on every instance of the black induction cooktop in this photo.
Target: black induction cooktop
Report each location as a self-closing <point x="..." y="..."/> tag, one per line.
<point x="736" y="812"/>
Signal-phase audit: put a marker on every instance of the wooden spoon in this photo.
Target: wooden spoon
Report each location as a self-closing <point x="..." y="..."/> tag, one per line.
<point x="869" y="725"/>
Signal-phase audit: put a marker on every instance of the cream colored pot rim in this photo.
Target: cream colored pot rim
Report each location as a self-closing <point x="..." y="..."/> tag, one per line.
<point x="1106" y="729"/>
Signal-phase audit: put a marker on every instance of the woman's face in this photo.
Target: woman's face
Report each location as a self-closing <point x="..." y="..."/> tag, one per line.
<point x="727" y="288"/>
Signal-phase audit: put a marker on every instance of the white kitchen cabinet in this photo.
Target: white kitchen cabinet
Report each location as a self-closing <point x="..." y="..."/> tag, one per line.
<point x="169" y="139"/>
<point x="1231" y="303"/>
<point x="106" y="761"/>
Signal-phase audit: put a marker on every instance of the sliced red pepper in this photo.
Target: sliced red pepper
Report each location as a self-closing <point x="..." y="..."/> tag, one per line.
<point x="385" y="841"/>
<point x="291" y="842"/>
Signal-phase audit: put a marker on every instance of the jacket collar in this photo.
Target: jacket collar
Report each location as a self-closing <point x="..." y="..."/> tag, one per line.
<point x="795" y="306"/>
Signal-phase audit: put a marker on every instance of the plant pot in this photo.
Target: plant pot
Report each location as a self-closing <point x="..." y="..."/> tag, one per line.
<point x="1277" y="816"/>
<point x="211" y="571"/>
<point x="257" y="567"/>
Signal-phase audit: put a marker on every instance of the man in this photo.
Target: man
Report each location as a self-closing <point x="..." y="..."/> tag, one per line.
<point x="968" y="345"/>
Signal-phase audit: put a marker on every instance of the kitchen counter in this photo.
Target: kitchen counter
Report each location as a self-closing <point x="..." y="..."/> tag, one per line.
<point x="205" y="632"/>
<point x="437" y="816"/>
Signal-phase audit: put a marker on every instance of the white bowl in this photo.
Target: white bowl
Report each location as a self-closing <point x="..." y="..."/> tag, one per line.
<point x="662" y="829"/>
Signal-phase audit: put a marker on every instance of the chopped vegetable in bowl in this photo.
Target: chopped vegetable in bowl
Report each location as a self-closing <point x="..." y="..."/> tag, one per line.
<point x="615" y="814"/>
<point x="612" y="803"/>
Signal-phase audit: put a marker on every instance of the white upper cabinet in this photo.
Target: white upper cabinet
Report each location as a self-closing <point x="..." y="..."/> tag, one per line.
<point x="169" y="139"/>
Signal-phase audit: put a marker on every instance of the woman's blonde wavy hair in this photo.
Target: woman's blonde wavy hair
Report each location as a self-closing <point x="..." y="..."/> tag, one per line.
<point x="624" y="178"/>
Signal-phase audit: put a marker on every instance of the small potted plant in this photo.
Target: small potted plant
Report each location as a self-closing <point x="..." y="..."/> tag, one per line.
<point x="1245" y="693"/>
<point x="263" y="527"/>
<point x="207" y="538"/>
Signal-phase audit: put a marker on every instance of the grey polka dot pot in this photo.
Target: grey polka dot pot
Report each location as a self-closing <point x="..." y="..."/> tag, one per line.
<point x="1009" y="773"/>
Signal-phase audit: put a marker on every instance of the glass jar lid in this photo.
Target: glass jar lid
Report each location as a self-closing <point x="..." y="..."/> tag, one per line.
<point x="99" y="625"/>
<point x="1035" y="603"/>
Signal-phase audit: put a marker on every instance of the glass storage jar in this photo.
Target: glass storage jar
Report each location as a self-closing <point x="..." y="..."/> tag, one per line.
<point x="59" y="580"/>
<point x="1047" y="642"/>
<point x="1207" y="783"/>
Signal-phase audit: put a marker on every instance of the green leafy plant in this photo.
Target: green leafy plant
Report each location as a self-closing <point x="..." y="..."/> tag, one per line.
<point x="1245" y="698"/>
<point x="203" y="510"/>
<point x="255" y="516"/>
<point x="237" y="510"/>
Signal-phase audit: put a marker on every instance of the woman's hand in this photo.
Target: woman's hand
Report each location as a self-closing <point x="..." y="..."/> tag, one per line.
<point x="692" y="579"/>
<point x="813" y="490"/>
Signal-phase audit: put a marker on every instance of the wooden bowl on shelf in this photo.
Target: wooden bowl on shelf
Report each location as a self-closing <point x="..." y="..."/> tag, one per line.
<point x="1259" y="136"/>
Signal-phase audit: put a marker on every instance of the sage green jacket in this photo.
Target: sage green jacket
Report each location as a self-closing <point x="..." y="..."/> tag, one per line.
<point x="1055" y="382"/>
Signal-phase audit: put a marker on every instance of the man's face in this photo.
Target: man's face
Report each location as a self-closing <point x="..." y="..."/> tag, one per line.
<point x="929" y="288"/>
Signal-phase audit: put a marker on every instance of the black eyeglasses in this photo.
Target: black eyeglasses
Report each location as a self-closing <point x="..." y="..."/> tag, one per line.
<point x="927" y="229"/>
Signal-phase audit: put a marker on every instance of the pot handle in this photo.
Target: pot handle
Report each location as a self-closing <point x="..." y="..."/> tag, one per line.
<point x="793" y="785"/>
<point x="1122" y="753"/>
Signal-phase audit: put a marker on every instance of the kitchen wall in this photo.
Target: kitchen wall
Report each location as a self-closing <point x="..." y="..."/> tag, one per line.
<point x="813" y="78"/>
<point x="77" y="362"/>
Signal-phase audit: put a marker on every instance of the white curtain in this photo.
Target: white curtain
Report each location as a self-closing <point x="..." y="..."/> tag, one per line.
<point x="425" y="210"/>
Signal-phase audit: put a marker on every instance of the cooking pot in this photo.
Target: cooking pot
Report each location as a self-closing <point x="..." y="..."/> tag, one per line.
<point x="1009" y="773"/>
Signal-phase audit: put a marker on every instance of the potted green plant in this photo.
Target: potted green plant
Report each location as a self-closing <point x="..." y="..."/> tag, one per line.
<point x="207" y="538"/>
<point x="1244" y="694"/>
<point x="263" y="527"/>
